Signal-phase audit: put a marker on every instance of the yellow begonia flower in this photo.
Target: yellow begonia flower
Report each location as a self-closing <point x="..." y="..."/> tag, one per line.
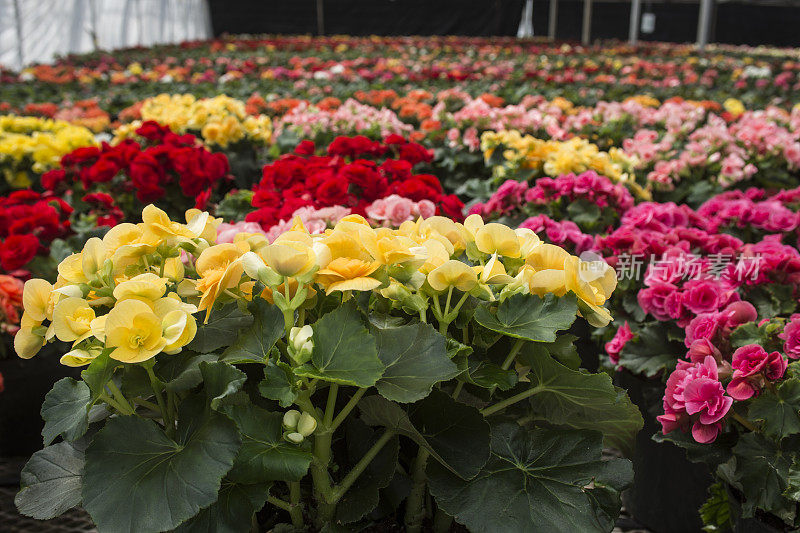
<point x="72" y="318"/>
<point x="494" y="238"/>
<point x="453" y="274"/>
<point x="436" y="255"/>
<point x="80" y="357"/>
<point x="593" y="282"/>
<point x="178" y="325"/>
<point x="174" y="269"/>
<point x="135" y="331"/>
<point x="158" y="228"/>
<point x="454" y="232"/>
<point x="147" y="287"/>
<point x="528" y="240"/>
<point x="125" y="244"/>
<point x="220" y="268"/>
<point x="71" y="269"/>
<point x="347" y="274"/>
<point x="27" y="343"/>
<point x="290" y="258"/>
<point x="36" y="299"/>
<point x="493" y="272"/>
<point x="547" y="261"/>
<point x="203" y="224"/>
<point x="92" y="257"/>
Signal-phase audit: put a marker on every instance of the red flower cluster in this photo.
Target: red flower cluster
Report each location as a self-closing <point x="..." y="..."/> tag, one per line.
<point x="146" y="170"/>
<point x="29" y="221"/>
<point x="353" y="174"/>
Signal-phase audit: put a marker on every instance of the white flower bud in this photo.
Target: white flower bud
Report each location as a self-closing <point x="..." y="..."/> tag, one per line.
<point x="306" y="425"/>
<point x="290" y="419"/>
<point x="301" y="345"/>
<point x="294" y="438"/>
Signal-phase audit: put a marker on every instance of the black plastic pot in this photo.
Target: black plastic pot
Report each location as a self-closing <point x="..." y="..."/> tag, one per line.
<point x="26" y="384"/>
<point x="667" y="489"/>
<point x="754" y="525"/>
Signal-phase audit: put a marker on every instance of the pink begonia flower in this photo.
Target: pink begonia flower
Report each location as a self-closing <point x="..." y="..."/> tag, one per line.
<point x="791" y="337"/>
<point x="615" y="345"/>
<point x="226" y="231"/>
<point x="695" y="395"/>
<point x="394" y="210"/>
<point x="315" y="220"/>
<point x="753" y="366"/>
<point x="699" y="349"/>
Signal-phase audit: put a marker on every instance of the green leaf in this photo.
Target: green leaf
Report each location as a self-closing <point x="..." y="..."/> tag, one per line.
<point x="779" y="411"/>
<point x="530" y="317"/>
<point x="716" y="511"/>
<point x="760" y="469"/>
<point x="535" y="480"/>
<point x="580" y="400"/>
<point x="416" y="359"/>
<point x="344" y="351"/>
<point x="181" y="372"/>
<point x="132" y="466"/>
<point x="219" y="330"/>
<point x="265" y="455"/>
<point x="793" y="489"/>
<point x="66" y="410"/>
<point x="220" y="380"/>
<point x="99" y="372"/>
<point x="254" y="343"/>
<point x="457" y="350"/>
<point x="455" y="434"/>
<point x="278" y="384"/>
<point x="746" y="334"/>
<point x="51" y="482"/>
<point x="649" y="353"/>
<point x="232" y="512"/>
<point x="489" y="375"/>
<point x="364" y="495"/>
<point x="563" y="350"/>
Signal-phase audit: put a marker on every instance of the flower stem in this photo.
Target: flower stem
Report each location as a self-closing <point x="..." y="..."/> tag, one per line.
<point x="277" y="502"/>
<point x="442" y="522"/>
<point x="512" y="355"/>
<point x="415" y="504"/>
<point x="119" y="397"/>
<point x="499" y="406"/>
<point x="349" y="406"/>
<point x="361" y="465"/>
<point x="169" y="424"/>
<point x="295" y="510"/>
<point x="743" y="421"/>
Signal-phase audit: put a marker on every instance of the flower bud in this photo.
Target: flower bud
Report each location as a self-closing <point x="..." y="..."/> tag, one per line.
<point x="294" y="438"/>
<point x="301" y="344"/>
<point x="290" y="419"/>
<point x="306" y="425"/>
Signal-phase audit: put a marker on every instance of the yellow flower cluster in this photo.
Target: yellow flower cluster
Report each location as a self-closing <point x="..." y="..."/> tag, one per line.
<point x="221" y="120"/>
<point x="525" y="153"/>
<point x="32" y="144"/>
<point x="130" y="292"/>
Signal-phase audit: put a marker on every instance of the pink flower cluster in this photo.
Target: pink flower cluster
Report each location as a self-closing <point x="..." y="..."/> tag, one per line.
<point x="564" y="233"/>
<point x="315" y="220"/>
<point x="394" y="210"/>
<point x="695" y="396"/>
<point x="751" y="208"/>
<point x="791" y="337"/>
<point x="350" y="118"/>
<point x="752" y="368"/>
<point x="615" y="345"/>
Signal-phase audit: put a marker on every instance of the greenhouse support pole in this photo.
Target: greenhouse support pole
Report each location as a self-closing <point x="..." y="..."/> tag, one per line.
<point x="586" y="34"/>
<point x="551" y="21"/>
<point x="633" y="32"/>
<point x="18" y="24"/>
<point x="703" y="23"/>
<point x="320" y="18"/>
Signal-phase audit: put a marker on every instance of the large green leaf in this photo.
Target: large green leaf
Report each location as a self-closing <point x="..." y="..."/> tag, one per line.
<point x="181" y="372"/>
<point x="579" y="400"/>
<point x="530" y="317"/>
<point x="220" y="380"/>
<point x="537" y="480"/>
<point x="780" y="410"/>
<point x="66" y="410"/>
<point x="416" y="359"/>
<point x="344" y="351"/>
<point x="760" y="469"/>
<point x="455" y="434"/>
<point x="364" y="494"/>
<point x="220" y="329"/>
<point x="232" y="512"/>
<point x="51" y="481"/>
<point x="254" y="343"/>
<point x="138" y="479"/>
<point x="265" y="455"/>
<point x="277" y="383"/>
<point x="650" y="353"/>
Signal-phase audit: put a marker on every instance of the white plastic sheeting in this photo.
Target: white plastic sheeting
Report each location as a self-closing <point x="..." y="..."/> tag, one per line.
<point x="37" y="30"/>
